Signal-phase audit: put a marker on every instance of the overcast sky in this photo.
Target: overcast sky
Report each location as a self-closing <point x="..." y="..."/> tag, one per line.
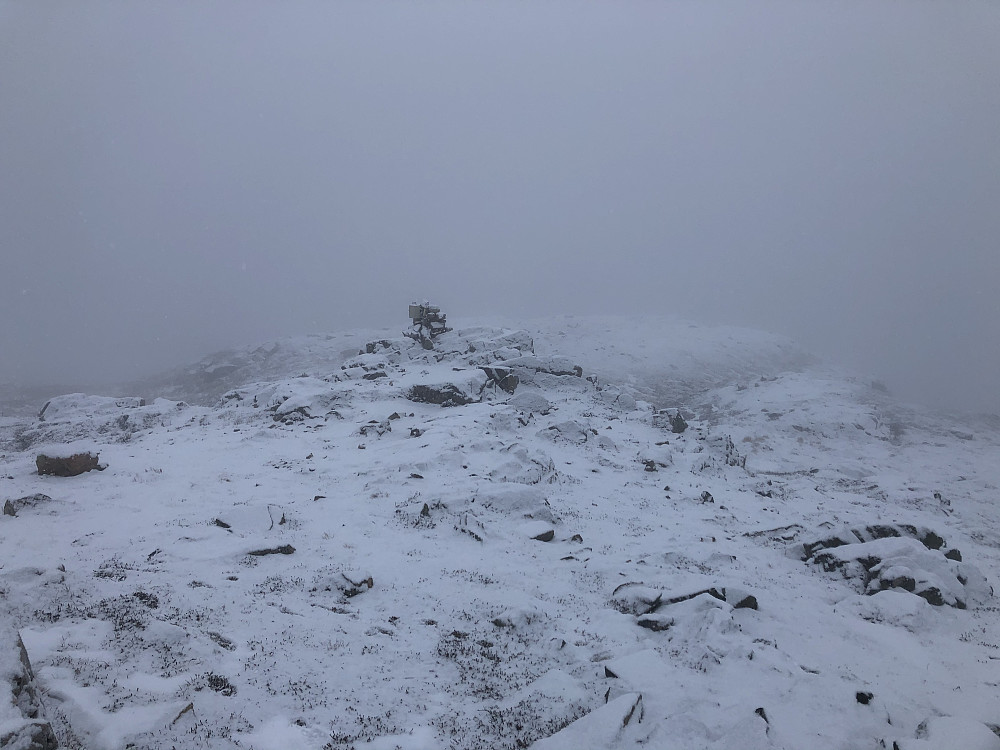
<point x="177" y="177"/>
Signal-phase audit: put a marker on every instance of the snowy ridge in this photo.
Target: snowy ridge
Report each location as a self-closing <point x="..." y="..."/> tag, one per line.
<point x="501" y="544"/>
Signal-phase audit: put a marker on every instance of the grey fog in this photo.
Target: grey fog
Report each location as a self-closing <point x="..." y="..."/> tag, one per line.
<point x="181" y="177"/>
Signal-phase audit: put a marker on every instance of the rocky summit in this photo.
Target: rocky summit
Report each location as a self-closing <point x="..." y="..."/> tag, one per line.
<point x="576" y="534"/>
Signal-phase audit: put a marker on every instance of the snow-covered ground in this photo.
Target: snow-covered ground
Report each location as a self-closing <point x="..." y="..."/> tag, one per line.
<point x="317" y="560"/>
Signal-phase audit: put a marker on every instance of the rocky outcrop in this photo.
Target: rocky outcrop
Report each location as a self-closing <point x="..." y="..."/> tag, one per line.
<point x="899" y="557"/>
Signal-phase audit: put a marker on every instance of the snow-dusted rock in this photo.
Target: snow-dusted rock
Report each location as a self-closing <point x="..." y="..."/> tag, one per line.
<point x="948" y="732"/>
<point x="530" y="401"/>
<point x="611" y="725"/>
<point x="22" y="720"/>
<point x="459" y="389"/>
<point x="14" y="506"/>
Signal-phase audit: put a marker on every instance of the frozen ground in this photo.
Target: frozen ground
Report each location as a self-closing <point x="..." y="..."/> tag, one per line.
<point x="316" y="560"/>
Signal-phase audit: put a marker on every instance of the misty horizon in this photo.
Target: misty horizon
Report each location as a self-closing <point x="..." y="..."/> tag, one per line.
<point x="184" y="178"/>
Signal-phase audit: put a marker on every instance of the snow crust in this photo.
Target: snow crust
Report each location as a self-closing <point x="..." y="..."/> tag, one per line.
<point x="314" y="559"/>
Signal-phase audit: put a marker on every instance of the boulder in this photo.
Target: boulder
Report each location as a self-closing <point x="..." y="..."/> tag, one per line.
<point x="446" y="394"/>
<point x="11" y="507"/>
<point x="531" y="401"/>
<point x="501" y="377"/>
<point x="528" y="366"/>
<point x="670" y="419"/>
<point x="67" y="466"/>
<point x="30" y="731"/>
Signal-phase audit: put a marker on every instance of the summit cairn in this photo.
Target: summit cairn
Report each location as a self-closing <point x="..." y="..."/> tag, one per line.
<point x="428" y="323"/>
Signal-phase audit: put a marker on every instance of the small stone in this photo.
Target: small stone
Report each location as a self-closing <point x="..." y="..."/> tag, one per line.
<point x="864" y="698"/>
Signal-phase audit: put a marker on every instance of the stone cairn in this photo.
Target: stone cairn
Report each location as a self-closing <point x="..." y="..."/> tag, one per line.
<point x="428" y="322"/>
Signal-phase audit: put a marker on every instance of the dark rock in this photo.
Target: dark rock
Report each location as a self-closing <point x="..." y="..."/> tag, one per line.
<point x="954" y="554"/>
<point x="443" y="395"/>
<point x="656" y="623"/>
<point x="502" y="377"/>
<point x="221" y="524"/>
<point x="933" y="596"/>
<point x="373" y="346"/>
<point x="746" y="602"/>
<point x="762" y="714"/>
<point x="545" y="536"/>
<point x="864" y="698"/>
<point x="355" y="587"/>
<point x="650" y="464"/>
<point x="609" y="674"/>
<point x="375" y="375"/>
<point x="67" y="466"/>
<point x="931" y="540"/>
<point x="416" y="432"/>
<point x="285" y="549"/>
<point x="706" y="497"/>
<point x="677" y="423"/>
<point x="907" y="583"/>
